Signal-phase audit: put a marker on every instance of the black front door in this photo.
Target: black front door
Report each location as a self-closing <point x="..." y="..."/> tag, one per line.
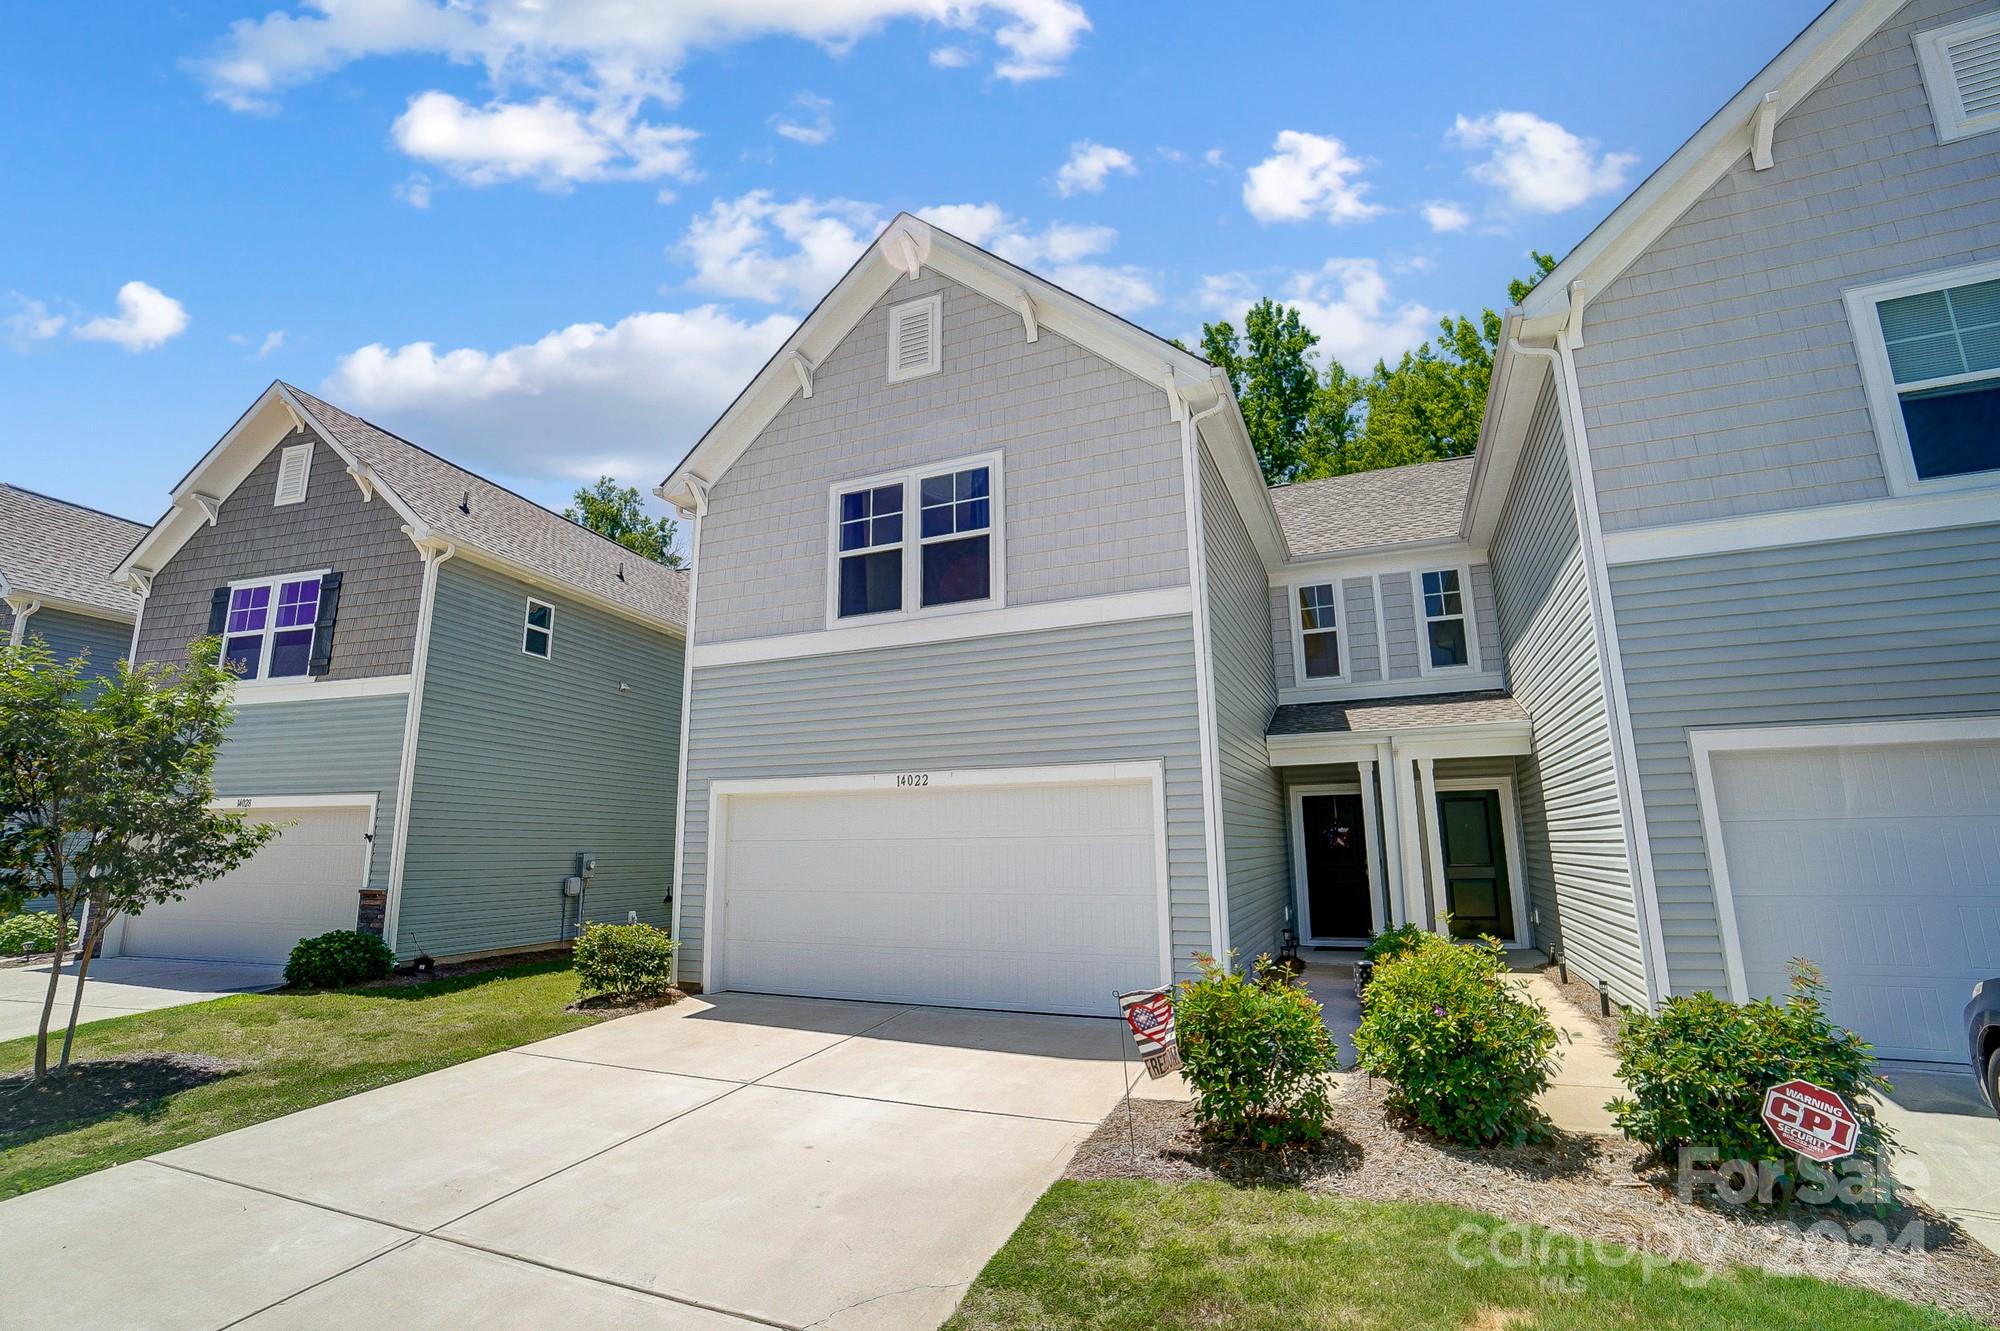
<point x="1476" y="890"/>
<point x="1337" y="891"/>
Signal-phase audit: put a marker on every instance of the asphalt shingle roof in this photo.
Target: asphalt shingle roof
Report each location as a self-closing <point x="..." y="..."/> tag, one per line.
<point x="501" y="522"/>
<point x="1422" y="502"/>
<point x="49" y="547"/>
<point x="1414" y="712"/>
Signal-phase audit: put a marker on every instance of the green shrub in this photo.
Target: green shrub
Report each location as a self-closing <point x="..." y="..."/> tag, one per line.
<point x="631" y="960"/>
<point x="343" y="957"/>
<point x="1698" y="1069"/>
<point x="1256" y="1050"/>
<point x="30" y="931"/>
<point x="1463" y="1051"/>
<point x="1392" y="943"/>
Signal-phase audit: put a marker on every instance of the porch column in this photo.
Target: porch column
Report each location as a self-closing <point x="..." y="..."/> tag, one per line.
<point x="1416" y="908"/>
<point x="1390" y="838"/>
<point x="1434" y="845"/>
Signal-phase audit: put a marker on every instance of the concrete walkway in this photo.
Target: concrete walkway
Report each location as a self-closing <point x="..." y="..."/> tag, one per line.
<point x="119" y="986"/>
<point x="726" y="1163"/>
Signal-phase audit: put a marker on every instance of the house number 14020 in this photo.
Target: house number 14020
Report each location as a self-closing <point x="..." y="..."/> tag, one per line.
<point x="913" y="778"/>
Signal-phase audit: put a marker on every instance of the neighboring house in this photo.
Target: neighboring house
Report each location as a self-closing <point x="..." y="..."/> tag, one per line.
<point x="56" y="560"/>
<point x="454" y="699"/>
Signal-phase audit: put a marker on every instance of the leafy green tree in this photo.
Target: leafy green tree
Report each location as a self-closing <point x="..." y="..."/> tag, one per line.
<point x="105" y="794"/>
<point x="614" y="511"/>
<point x="1296" y="419"/>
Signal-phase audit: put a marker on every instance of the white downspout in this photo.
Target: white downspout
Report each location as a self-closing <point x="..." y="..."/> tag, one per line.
<point x="1211" y="783"/>
<point x="22" y="606"/>
<point x="434" y="555"/>
<point x="700" y="494"/>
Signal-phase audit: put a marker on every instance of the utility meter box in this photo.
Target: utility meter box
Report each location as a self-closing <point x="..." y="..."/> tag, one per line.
<point x="572" y="886"/>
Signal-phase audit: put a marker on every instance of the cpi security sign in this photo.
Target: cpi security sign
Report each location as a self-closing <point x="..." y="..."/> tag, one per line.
<point x="1811" y="1120"/>
<point x="1150" y="1014"/>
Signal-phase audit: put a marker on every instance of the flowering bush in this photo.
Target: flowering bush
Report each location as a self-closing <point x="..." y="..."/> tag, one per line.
<point x="1256" y="1050"/>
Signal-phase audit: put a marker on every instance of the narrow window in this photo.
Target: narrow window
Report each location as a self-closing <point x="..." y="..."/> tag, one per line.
<point x="957" y="541"/>
<point x="1444" y="620"/>
<point x="1944" y="358"/>
<point x="294" y="468"/>
<point x="538" y="633"/>
<point x="913" y="338"/>
<point x="1319" y="631"/>
<point x="871" y="550"/>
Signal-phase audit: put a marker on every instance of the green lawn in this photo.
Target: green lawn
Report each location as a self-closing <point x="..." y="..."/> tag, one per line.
<point x="293" y="1051"/>
<point x="1162" y="1256"/>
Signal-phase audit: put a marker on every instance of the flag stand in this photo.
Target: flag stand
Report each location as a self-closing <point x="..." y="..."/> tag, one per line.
<point x="1125" y="1070"/>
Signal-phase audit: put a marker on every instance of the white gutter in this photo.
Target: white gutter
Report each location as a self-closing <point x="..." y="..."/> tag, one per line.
<point x="22" y="606"/>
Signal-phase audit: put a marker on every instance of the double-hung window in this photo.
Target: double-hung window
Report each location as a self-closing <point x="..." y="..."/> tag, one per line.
<point x="267" y="632"/>
<point x="1930" y="355"/>
<point x="538" y="629"/>
<point x="1447" y="637"/>
<point x="948" y="557"/>
<point x="1319" y="632"/>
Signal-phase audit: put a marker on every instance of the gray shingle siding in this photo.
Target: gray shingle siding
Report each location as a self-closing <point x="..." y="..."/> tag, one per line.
<point x="1719" y="374"/>
<point x="1092" y="467"/>
<point x="522" y="763"/>
<point x="1888" y="627"/>
<point x="1256" y="868"/>
<point x="1579" y="876"/>
<point x="100" y="641"/>
<point x="1360" y="642"/>
<point x="334" y="529"/>
<point x="1098" y="693"/>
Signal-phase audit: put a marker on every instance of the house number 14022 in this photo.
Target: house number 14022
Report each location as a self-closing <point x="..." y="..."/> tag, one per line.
<point x="913" y="778"/>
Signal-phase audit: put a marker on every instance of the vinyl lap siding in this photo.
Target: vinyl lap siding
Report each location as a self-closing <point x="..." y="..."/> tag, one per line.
<point x="523" y="763"/>
<point x="101" y="642"/>
<point x="1256" y="870"/>
<point x="1890" y="627"/>
<point x="1579" y="876"/>
<point x="339" y="746"/>
<point x="1097" y="693"/>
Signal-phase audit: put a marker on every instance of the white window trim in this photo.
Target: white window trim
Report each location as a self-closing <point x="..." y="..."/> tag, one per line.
<point x="1341" y="639"/>
<point x="1425" y="670"/>
<point x="262" y="678"/>
<point x="278" y="499"/>
<point x="1884" y="399"/>
<point x="1946" y="107"/>
<point x="911" y="478"/>
<point x="1510" y="831"/>
<point x="527" y="626"/>
<point x="933" y="362"/>
<point x="1301" y="887"/>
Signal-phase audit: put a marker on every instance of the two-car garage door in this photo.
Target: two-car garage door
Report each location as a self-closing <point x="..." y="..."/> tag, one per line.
<point x="1878" y="862"/>
<point x="1040" y="894"/>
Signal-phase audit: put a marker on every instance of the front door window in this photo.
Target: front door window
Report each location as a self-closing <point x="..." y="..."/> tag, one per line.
<point x="1337" y="892"/>
<point x="1478" y="897"/>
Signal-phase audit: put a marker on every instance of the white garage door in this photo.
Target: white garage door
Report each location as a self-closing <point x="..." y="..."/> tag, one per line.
<point x="1880" y="864"/>
<point x="304" y="882"/>
<point x="1037" y="898"/>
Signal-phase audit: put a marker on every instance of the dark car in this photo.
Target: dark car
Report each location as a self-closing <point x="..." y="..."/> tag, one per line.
<point x="1982" y="1034"/>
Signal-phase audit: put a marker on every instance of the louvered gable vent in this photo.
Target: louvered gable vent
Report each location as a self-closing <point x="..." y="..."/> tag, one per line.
<point x="1962" y="74"/>
<point x="913" y="338"/>
<point x="294" y="466"/>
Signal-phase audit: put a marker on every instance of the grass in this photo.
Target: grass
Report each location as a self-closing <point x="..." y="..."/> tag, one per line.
<point x="292" y="1051"/>
<point x="1162" y="1256"/>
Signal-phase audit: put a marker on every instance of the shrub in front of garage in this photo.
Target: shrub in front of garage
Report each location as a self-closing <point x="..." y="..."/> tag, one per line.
<point x="30" y="931"/>
<point x="624" y="961"/>
<point x="339" y="958"/>
<point x="1464" y="1052"/>
<point x="1697" y="1071"/>
<point x="1255" y="1049"/>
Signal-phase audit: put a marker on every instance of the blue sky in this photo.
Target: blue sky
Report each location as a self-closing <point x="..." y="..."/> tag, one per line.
<point x="554" y="240"/>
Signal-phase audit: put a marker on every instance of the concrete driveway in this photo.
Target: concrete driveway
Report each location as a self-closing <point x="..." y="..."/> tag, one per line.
<point x="1949" y="1140"/>
<point x="122" y="985"/>
<point x="726" y="1163"/>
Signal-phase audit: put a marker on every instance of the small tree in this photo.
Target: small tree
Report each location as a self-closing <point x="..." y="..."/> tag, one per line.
<point x="616" y="513"/>
<point x="105" y="788"/>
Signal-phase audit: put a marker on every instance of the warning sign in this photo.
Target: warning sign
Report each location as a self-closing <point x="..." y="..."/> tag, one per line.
<point x="1150" y="1014"/>
<point x="1811" y="1120"/>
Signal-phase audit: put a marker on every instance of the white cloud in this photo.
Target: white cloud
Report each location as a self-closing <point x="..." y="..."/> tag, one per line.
<point x="147" y="318"/>
<point x="809" y="121"/>
<point x="1346" y="301"/>
<point x="1088" y="166"/>
<point x="1213" y="157"/>
<point x="415" y="191"/>
<point x="638" y="391"/>
<point x="1537" y="164"/>
<point x="951" y="57"/>
<point x="546" y="141"/>
<point x="31" y="322"/>
<point x="758" y="248"/>
<point x="273" y="340"/>
<point x="1057" y="252"/>
<point x="1307" y="175"/>
<point x="1444" y="215"/>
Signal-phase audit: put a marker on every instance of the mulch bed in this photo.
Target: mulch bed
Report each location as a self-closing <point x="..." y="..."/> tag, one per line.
<point x="1591" y="1186"/>
<point x="624" y="1005"/>
<point x="445" y="971"/>
<point x="100" y="1087"/>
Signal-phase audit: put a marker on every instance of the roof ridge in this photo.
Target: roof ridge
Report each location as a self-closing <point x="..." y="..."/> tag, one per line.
<point x="1373" y="471"/>
<point x="71" y="503"/>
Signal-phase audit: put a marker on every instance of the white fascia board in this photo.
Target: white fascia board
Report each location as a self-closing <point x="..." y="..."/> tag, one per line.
<point x="1405" y="557"/>
<point x="1228" y="439"/>
<point x="45" y="601"/>
<point x="1706" y="157"/>
<point x="1511" y="396"/>
<point x="474" y="554"/>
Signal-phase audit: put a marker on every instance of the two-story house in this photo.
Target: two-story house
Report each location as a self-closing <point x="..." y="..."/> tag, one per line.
<point x="56" y="560"/>
<point x="462" y="707"/>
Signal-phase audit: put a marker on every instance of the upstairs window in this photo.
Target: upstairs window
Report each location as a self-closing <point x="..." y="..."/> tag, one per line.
<point x="1961" y="67"/>
<point x="268" y="626"/>
<point x="1930" y="351"/>
<point x="886" y="564"/>
<point x="1447" y="640"/>
<point x="1319" y="632"/>
<point x="538" y="629"/>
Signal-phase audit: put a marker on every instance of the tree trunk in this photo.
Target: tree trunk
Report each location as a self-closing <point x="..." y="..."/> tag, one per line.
<point x="99" y="919"/>
<point x="49" y="998"/>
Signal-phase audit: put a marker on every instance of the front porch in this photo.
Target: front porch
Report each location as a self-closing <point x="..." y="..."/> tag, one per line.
<point x="1407" y="811"/>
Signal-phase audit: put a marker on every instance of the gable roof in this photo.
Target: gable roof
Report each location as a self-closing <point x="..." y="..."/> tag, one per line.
<point x="440" y="501"/>
<point x="63" y="554"/>
<point x="1393" y="506"/>
<point x="1191" y="387"/>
